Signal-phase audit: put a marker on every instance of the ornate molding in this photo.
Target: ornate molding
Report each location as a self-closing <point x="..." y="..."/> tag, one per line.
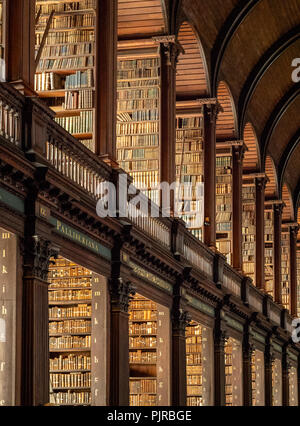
<point x="170" y="48"/>
<point x="121" y="293"/>
<point x="37" y="257"/>
<point x="180" y="319"/>
<point x="261" y="182"/>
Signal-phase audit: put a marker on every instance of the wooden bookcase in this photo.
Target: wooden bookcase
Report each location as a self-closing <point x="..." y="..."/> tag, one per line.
<point x="269" y="249"/>
<point x="228" y="373"/>
<point x="277" y="383"/>
<point x="65" y="75"/>
<point x="149" y="339"/>
<point x="298" y="281"/>
<point x="138" y="118"/>
<point x="253" y="378"/>
<point x="194" y="364"/>
<point x="249" y="227"/>
<point x="285" y="267"/>
<point x="224" y="202"/>
<point x="77" y="337"/>
<point x="189" y="169"/>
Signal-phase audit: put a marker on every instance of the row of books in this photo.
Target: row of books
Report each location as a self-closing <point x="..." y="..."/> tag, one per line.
<point x="136" y="94"/>
<point x="194" y="380"/>
<point x="193" y="401"/>
<point x="70" y="362"/>
<point x="137" y="154"/>
<point x="191" y="169"/>
<point x="63" y="295"/>
<point x="143" y="328"/>
<point x="71" y="380"/>
<point x="142" y="342"/>
<point x="68" y="21"/>
<point x="71" y="326"/>
<point x="138" y="64"/>
<point x="89" y="143"/>
<point x="140" y="104"/>
<point x="194" y="364"/>
<point x="223" y="162"/>
<point x="138" y="140"/>
<point x="143" y="400"/>
<point x="82" y="99"/>
<point x="142" y="357"/>
<point x="67" y="6"/>
<point x="66" y="63"/>
<point x="137" y="128"/>
<point x="223" y="188"/>
<point x="193" y="348"/>
<point x="71" y="398"/>
<point x="69" y="272"/>
<point x="137" y="166"/>
<point x="196" y="157"/>
<point x="194" y="360"/>
<point x="69" y="282"/>
<point x="77" y="124"/>
<point x="70" y="342"/>
<point x="142" y="386"/>
<point x="145" y="180"/>
<point x="62" y="37"/>
<point x="48" y="81"/>
<point x="223" y="226"/>
<point x="188" y="146"/>
<point x="190" y="122"/>
<point x="68" y="50"/>
<point x="81" y="310"/>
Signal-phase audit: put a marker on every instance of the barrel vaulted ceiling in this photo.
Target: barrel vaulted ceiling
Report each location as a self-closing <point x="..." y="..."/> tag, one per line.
<point x="240" y="51"/>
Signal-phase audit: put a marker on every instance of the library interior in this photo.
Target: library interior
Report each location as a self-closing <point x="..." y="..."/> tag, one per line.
<point x="150" y="310"/>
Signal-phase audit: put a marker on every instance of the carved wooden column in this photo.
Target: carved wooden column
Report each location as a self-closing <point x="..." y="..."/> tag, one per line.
<point x="106" y="79"/>
<point x="285" y="378"/>
<point x="248" y="349"/>
<point x="35" y="358"/>
<point x="269" y="359"/>
<point x="293" y="268"/>
<point x="180" y="319"/>
<point x="277" y="251"/>
<point x="210" y="112"/>
<point x="260" y="185"/>
<point x="120" y="291"/>
<point x="220" y="337"/>
<point x="21" y="36"/>
<point x="237" y="189"/>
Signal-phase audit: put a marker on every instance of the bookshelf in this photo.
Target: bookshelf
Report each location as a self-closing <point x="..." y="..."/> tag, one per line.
<point x="253" y="378"/>
<point x="249" y="228"/>
<point x="285" y="268"/>
<point x="269" y="249"/>
<point x="298" y="281"/>
<point x="77" y="337"/>
<point x="224" y="203"/>
<point x="66" y="69"/>
<point x="143" y="351"/>
<point x="293" y="386"/>
<point x="138" y="119"/>
<point x="189" y="170"/>
<point x="276" y="383"/>
<point x="228" y="372"/>
<point x="2" y="39"/>
<point x="194" y="364"/>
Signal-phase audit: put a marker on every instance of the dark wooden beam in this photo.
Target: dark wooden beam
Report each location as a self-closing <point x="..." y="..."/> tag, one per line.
<point x="259" y="70"/>
<point x="288" y="152"/>
<point x="237" y="16"/>
<point x="275" y="117"/>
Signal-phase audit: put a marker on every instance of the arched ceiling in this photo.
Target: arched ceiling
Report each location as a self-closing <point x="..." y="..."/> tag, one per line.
<point x="271" y="191"/>
<point x="251" y="160"/>
<point x="250" y="45"/>
<point x="288" y="210"/>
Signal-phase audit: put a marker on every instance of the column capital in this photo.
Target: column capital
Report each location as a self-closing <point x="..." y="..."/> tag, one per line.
<point x="170" y="48"/>
<point x="121" y="293"/>
<point x="238" y="151"/>
<point x="294" y="229"/>
<point x="180" y="319"/>
<point x="37" y="257"/>
<point x="261" y="182"/>
<point x="278" y="207"/>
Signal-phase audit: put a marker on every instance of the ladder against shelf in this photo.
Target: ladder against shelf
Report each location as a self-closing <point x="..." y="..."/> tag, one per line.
<point x="189" y="170"/>
<point x="75" y="339"/>
<point x="138" y="118"/>
<point x="65" y="76"/>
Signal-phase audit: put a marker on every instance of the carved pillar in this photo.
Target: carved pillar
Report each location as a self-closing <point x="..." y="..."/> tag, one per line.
<point x="21" y="36"/>
<point x="237" y="189"/>
<point x="35" y="358"/>
<point x="248" y="349"/>
<point x="277" y="251"/>
<point x="210" y="112"/>
<point x="120" y="294"/>
<point x="285" y="378"/>
<point x="220" y="337"/>
<point x="169" y="51"/>
<point x="293" y="268"/>
<point x="180" y="319"/>
<point x="260" y="185"/>
<point x="269" y="359"/>
<point x="106" y="78"/>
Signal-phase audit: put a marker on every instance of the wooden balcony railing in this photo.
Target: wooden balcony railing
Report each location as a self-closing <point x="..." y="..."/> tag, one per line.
<point x="28" y="124"/>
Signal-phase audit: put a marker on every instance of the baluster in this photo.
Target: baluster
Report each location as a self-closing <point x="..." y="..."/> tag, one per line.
<point x="10" y="125"/>
<point x="59" y="159"/>
<point x="17" y="128"/>
<point x="1" y="118"/>
<point x="6" y="108"/>
<point x="64" y="162"/>
<point x="55" y="154"/>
